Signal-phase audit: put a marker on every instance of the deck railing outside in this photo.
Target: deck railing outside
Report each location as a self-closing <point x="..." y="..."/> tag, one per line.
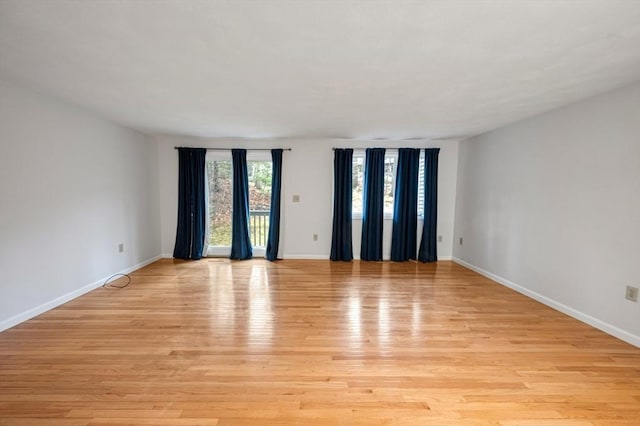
<point x="259" y="227"/>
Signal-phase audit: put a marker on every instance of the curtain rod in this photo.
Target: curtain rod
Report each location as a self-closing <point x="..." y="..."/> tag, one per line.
<point x="229" y="149"/>
<point x="396" y="148"/>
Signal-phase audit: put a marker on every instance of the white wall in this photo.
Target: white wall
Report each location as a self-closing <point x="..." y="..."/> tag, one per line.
<point x="551" y="206"/>
<point x="72" y="187"/>
<point x="307" y="171"/>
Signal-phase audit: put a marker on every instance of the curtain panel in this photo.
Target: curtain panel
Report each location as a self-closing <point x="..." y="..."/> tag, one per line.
<point x="428" y="241"/>
<point x="273" y="240"/>
<point x="341" y="237"/>
<point x="405" y="206"/>
<point x="190" y="232"/>
<point x="373" y="205"/>
<point x="240" y="241"/>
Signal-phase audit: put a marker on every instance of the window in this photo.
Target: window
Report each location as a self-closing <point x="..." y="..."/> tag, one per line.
<point x="259" y="173"/>
<point x="357" y="184"/>
<point x="421" y="186"/>
<point x="390" y="161"/>
<point x="220" y="181"/>
<point x="219" y="175"/>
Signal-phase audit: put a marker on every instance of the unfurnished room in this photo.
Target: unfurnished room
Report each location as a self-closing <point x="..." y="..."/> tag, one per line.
<point x="317" y="212"/>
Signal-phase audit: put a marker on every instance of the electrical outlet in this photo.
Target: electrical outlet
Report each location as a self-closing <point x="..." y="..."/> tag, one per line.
<point x="439" y="238"/>
<point x="460" y="240"/>
<point x="120" y="248"/>
<point x="632" y="293"/>
<point x="315" y="237"/>
<point x="296" y="198"/>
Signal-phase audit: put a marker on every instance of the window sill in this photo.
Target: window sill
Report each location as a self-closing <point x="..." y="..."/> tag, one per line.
<point x="358" y="216"/>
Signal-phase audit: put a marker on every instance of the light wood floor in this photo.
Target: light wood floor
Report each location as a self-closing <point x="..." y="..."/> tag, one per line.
<point x="216" y="342"/>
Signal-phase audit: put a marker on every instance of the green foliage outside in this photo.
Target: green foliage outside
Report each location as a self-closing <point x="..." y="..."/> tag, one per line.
<point x="358" y="183"/>
<point x="220" y="174"/>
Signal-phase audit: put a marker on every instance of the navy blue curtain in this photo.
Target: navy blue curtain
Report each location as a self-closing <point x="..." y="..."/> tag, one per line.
<point x="341" y="248"/>
<point x="191" y="204"/>
<point x="373" y="205"/>
<point x="405" y="206"/>
<point x="274" y="213"/>
<point x="240" y="242"/>
<point x="428" y="241"/>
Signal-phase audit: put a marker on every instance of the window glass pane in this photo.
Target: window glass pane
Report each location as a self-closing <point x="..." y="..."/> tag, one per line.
<point x="390" y="164"/>
<point x="358" y="183"/>
<point x="220" y="174"/>
<point x="389" y="183"/>
<point x="421" y="186"/>
<point x="390" y="161"/>
<point x="259" y="173"/>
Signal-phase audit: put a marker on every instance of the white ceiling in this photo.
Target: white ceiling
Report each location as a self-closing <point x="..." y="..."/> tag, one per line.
<point x="344" y="69"/>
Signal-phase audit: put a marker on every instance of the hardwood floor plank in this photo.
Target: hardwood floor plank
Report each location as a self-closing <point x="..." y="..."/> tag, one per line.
<point x="299" y="342"/>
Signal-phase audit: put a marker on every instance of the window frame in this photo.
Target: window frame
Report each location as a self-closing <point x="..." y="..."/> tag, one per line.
<point x="358" y="154"/>
<point x="389" y="153"/>
<point x="225" y="155"/>
<point x="263" y="157"/>
<point x="421" y="175"/>
<point x="212" y="156"/>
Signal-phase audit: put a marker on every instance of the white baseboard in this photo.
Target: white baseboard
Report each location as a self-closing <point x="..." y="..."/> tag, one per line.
<point x="285" y="256"/>
<point x="33" y="312"/>
<point x="306" y="256"/>
<point x="388" y="258"/>
<point x="326" y="257"/>
<point x="581" y="316"/>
